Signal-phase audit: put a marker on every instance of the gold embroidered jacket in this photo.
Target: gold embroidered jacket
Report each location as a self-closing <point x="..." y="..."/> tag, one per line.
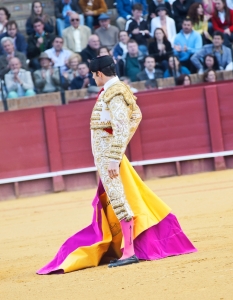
<point x="117" y="109"/>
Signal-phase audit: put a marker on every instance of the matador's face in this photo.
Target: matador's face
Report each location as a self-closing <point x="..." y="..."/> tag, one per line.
<point x="98" y="78"/>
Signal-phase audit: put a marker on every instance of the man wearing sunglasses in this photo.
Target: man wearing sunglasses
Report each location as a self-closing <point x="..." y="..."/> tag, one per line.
<point x="76" y="36"/>
<point x="63" y="9"/>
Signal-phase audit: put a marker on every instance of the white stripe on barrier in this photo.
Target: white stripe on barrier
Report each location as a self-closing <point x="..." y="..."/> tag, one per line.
<point x="134" y="163"/>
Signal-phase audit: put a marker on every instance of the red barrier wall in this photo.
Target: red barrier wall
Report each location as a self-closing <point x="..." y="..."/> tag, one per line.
<point x="176" y="122"/>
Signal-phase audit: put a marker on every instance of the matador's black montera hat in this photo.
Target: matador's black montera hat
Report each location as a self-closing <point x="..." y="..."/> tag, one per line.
<point x="101" y="62"/>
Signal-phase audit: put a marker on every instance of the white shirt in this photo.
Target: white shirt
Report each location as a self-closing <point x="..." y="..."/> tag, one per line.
<point x="151" y="75"/>
<point x="186" y="35"/>
<point x="76" y="35"/>
<point x="222" y="16"/>
<point x="59" y="61"/>
<point x="124" y="48"/>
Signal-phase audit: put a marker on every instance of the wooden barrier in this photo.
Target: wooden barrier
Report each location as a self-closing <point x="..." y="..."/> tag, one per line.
<point x="176" y="123"/>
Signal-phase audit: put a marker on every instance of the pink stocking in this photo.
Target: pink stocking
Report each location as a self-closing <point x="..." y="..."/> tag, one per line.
<point x="127" y="232"/>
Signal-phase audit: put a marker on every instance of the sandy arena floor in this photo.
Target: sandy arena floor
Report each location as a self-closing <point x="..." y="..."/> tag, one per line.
<point x="32" y="230"/>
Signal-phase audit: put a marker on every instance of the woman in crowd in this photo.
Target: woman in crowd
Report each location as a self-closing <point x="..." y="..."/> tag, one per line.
<point x="160" y="48"/>
<point x="91" y="10"/>
<point x="37" y="12"/>
<point x="4" y="18"/>
<point x="210" y="76"/>
<point x="210" y="62"/>
<point x="103" y="51"/>
<point x="152" y="6"/>
<point x="70" y="74"/>
<point x="223" y="21"/>
<point x="200" y="24"/>
<point x="164" y="22"/>
<point x="174" y="68"/>
<point x="183" y="79"/>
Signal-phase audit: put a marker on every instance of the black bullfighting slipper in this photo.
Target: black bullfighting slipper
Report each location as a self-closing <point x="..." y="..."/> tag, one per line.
<point x="123" y="262"/>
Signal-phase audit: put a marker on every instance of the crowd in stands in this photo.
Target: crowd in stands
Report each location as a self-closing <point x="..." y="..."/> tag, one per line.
<point x="148" y="41"/>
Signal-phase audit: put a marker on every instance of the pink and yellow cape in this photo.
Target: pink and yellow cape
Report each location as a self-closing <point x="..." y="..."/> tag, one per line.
<point x="157" y="233"/>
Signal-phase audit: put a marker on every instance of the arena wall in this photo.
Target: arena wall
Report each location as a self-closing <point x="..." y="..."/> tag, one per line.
<point x="176" y="122"/>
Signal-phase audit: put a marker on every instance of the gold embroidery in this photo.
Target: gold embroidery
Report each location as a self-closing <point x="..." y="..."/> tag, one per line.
<point x="113" y="187"/>
<point x="120" y="88"/>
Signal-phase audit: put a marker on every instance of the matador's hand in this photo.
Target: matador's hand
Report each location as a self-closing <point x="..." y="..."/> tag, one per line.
<point x="113" y="169"/>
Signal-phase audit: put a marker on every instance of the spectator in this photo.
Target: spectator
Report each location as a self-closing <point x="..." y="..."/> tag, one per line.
<point x="132" y="63"/>
<point x="127" y="81"/>
<point x="7" y="44"/>
<point x="152" y="7"/>
<point x="38" y="43"/>
<point x="150" y="72"/>
<point x="63" y="11"/>
<point x="221" y="52"/>
<point x="210" y="62"/>
<point x="4" y="18"/>
<point x="57" y="54"/>
<point x="72" y="72"/>
<point x="46" y="79"/>
<point x="186" y="43"/>
<point x="121" y="48"/>
<point x="164" y="22"/>
<point x="92" y="91"/>
<point x="19" y="40"/>
<point x="102" y="51"/>
<point x="183" y="79"/>
<point x="124" y="9"/>
<point x="76" y="36"/>
<point x="108" y="34"/>
<point x="174" y="68"/>
<point x="210" y="76"/>
<point x="196" y="15"/>
<point x="223" y="21"/>
<point x="84" y="79"/>
<point x="18" y="81"/>
<point x="229" y="4"/>
<point x="37" y="13"/>
<point x="92" y="10"/>
<point x="208" y="6"/>
<point x="180" y="11"/>
<point x="160" y="48"/>
<point x="137" y="28"/>
<point x="90" y="51"/>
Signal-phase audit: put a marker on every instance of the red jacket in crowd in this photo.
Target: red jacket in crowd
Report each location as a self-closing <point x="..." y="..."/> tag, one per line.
<point x="219" y="26"/>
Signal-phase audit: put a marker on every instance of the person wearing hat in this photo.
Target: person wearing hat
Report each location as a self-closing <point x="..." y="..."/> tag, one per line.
<point x="129" y="221"/>
<point x="152" y="6"/>
<point x="46" y="79"/>
<point x="18" y="81"/>
<point x="108" y="34"/>
<point x="165" y="22"/>
<point x="137" y="28"/>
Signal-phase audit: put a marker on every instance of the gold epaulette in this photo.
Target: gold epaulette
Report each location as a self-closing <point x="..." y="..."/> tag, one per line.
<point x="120" y="88"/>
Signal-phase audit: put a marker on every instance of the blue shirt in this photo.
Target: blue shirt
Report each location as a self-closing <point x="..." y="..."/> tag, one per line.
<point x="193" y="43"/>
<point x="66" y="8"/>
<point x="182" y="70"/>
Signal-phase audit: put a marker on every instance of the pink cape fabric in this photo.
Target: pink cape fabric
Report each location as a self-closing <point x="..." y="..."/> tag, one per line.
<point x="159" y="241"/>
